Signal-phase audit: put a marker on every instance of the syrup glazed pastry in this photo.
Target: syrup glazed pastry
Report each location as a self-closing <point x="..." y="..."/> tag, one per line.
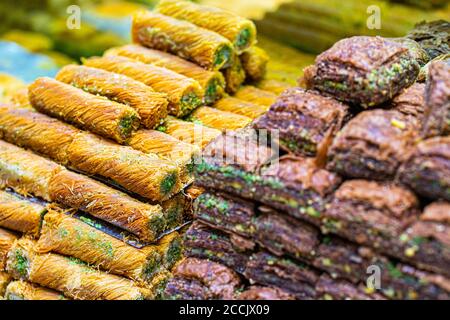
<point x="295" y="185"/>
<point x="344" y="260"/>
<point x="58" y="272"/>
<point x="20" y="214"/>
<point x="437" y="117"/>
<point x="5" y="279"/>
<point x="151" y="106"/>
<point x="240" y="31"/>
<point x="7" y="239"/>
<point x="217" y="119"/>
<point x="38" y="132"/>
<point x="296" y="279"/>
<point x="329" y="289"/>
<point x="427" y="169"/>
<point x="427" y="241"/>
<point x="240" y="107"/>
<point x="364" y="71"/>
<point x="372" y="145"/>
<point x="201" y="280"/>
<point x="264" y="293"/>
<point x="304" y="120"/>
<point x="97" y="114"/>
<point x="212" y="82"/>
<point x="411" y="102"/>
<point x="142" y="173"/>
<point x="188" y="41"/>
<point x="206" y="243"/>
<point x="234" y="75"/>
<point x="371" y="213"/>
<point x="226" y="213"/>
<point x="254" y="60"/>
<point x="168" y="148"/>
<point x="23" y="290"/>
<point x="256" y="95"/>
<point x="71" y="237"/>
<point x="83" y="193"/>
<point x="26" y="172"/>
<point x="184" y="94"/>
<point x="189" y="132"/>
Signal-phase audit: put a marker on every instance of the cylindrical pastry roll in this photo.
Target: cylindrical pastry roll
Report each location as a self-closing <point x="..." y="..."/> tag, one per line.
<point x="7" y="239"/>
<point x="151" y="106"/>
<point x="217" y="119"/>
<point x="71" y="237"/>
<point x="72" y="277"/>
<point x="169" y="148"/>
<point x="240" y="31"/>
<point x="170" y="247"/>
<point x="240" y="107"/>
<point x="256" y="95"/>
<point x="189" y="132"/>
<point x="212" y="82"/>
<point x="254" y="61"/>
<point x="206" y="48"/>
<point x="25" y="172"/>
<point x="234" y="75"/>
<point x="4" y="281"/>
<point x="23" y="290"/>
<point x="144" y="174"/>
<point x="83" y="193"/>
<point x="97" y="114"/>
<point x="20" y="214"/>
<point x="184" y="94"/>
<point x="38" y="132"/>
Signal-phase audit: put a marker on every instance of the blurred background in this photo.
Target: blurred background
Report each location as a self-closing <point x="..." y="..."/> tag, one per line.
<point x="37" y="37"/>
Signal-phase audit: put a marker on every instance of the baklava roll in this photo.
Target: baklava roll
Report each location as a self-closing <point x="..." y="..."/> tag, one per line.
<point x="254" y="60"/>
<point x="144" y="174"/>
<point x="20" y="214"/>
<point x="184" y="94"/>
<point x="7" y="239"/>
<point x="97" y="114"/>
<point x="234" y="75"/>
<point x="25" y="172"/>
<point x="241" y="107"/>
<point x="23" y="290"/>
<point x="240" y="31"/>
<point x="168" y="148"/>
<point x="212" y="82"/>
<point x="150" y="105"/>
<point x="5" y="279"/>
<point x="189" y="132"/>
<point x="170" y="247"/>
<point x="217" y="119"/>
<point x="72" y="277"/>
<point x="204" y="47"/>
<point x="83" y="193"/>
<point x="256" y="95"/>
<point x="38" y="132"/>
<point x="71" y="237"/>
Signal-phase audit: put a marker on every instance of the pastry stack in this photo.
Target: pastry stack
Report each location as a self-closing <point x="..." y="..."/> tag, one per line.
<point x="349" y="199"/>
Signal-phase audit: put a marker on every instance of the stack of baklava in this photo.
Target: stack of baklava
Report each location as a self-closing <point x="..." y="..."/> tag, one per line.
<point x="356" y="207"/>
<point x="95" y="165"/>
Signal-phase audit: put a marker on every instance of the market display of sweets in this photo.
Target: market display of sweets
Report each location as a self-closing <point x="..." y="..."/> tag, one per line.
<point x="96" y="170"/>
<point x="362" y="181"/>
